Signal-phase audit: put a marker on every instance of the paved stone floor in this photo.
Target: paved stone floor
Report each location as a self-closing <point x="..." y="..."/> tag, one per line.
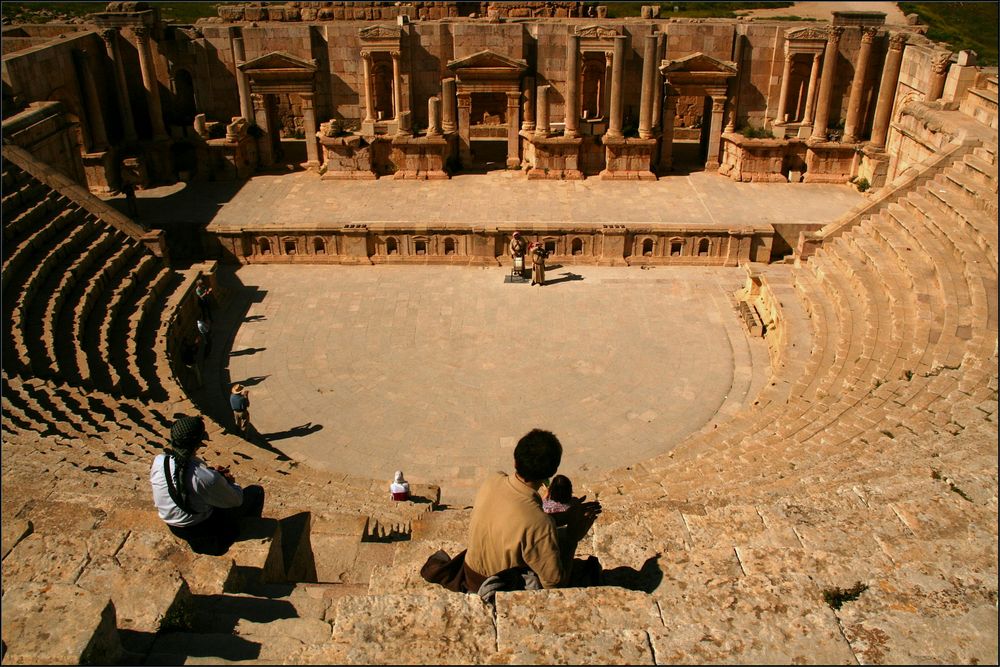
<point x="439" y="370"/>
<point x="506" y="197"/>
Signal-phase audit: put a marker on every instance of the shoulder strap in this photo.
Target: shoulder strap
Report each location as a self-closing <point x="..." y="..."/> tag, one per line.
<point x="171" y="489"/>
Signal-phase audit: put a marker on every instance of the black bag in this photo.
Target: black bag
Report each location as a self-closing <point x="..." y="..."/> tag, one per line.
<point x="446" y="571"/>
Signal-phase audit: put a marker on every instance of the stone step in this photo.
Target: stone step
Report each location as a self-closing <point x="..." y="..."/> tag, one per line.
<point x="87" y="633"/>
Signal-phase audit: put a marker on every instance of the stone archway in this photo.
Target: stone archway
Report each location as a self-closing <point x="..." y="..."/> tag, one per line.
<point x="696" y="75"/>
<point x="492" y="79"/>
<point x="280" y="73"/>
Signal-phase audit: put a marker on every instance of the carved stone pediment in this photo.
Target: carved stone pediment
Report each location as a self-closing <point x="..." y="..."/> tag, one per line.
<point x="806" y="34"/>
<point x="279" y="60"/>
<point x="699" y="63"/>
<point x="380" y="33"/>
<point x="488" y="60"/>
<point x="597" y="31"/>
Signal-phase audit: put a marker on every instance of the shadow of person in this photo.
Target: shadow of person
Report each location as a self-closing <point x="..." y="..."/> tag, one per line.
<point x="253" y="380"/>
<point x="247" y="351"/>
<point x="262" y="440"/>
<point x="294" y="432"/>
<point x="566" y="277"/>
<point x="645" y="579"/>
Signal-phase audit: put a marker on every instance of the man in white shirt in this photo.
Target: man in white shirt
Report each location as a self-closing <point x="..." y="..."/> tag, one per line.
<point x="198" y="503"/>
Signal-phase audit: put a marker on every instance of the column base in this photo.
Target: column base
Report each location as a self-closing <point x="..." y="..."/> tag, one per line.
<point x="310" y="165"/>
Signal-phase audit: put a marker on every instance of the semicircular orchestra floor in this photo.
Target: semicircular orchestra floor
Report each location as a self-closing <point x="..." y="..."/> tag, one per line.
<point x="438" y="371"/>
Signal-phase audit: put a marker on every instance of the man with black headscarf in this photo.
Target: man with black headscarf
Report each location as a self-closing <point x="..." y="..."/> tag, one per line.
<point x="198" y="503"/>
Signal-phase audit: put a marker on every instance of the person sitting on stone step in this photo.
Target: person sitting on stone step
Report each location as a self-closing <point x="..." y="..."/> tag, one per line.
<point x="400" y="488"/>
<point x="509" y="529"/>
<point x="200" y="504"/>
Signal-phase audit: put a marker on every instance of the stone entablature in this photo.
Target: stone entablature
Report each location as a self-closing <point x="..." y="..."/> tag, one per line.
<point x="606" y="245"/>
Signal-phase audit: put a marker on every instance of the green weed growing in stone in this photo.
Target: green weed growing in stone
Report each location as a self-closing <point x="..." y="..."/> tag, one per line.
<point x="836" y="597"/>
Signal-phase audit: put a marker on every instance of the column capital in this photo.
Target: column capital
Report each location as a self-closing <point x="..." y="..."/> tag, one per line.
<point x="868" y="34"/>
<point x="367" y="55"/>
<point x="514" y="98"/>
<point x="307" y="98"/>
<point x="109" y="34"/>
<point x="940" y="62"/>
<point x="464" y="100"/>
<point x="141" y="33"/>
<point x="609" y="56"/>
<point x="834" y="32"/>
<point x="789" y="56"/>
<point x="718" y="103"/>
<point x="394" y="54"/>
<point x="897" y="41"/>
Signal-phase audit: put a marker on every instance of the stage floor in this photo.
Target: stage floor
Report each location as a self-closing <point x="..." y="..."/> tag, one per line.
<point x="301" y="200"/>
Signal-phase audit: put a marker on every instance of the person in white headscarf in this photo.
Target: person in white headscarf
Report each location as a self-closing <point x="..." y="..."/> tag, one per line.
<point x="400" y="488"/>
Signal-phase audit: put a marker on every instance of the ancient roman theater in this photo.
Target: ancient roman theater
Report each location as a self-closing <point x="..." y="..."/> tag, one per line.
<point x="766" y="337"/>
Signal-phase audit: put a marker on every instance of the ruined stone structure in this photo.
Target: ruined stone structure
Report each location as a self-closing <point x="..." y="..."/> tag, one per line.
<point x="422" y="91"/>
<point x="847" y="513"/>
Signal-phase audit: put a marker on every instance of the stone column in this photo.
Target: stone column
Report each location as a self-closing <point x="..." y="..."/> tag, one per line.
<point x="858" y="85"/>
<point x="735" y="85"/>
<point x="807" y="115"/>
<point x="572" y="128"/>
<point x="265" y="145"/>
<point x="95" y="117"/>
<point x="542" y="115"/>
<point x="448" y="106"/>
<point x="397" y="86"/>
<point x="433" y="116"/>
<point x="609" y="59"/>
<point x="366" y="67"/>
<point x="786" y="81"/>
<point x="617" y="74"/>
<point x="149" y="82"/>
<point x="464" y="131"/>
<point x="939" y="69"/>
<point x="826" y="83"/>
<point x="667" y="141"/>
<point x="658" y="83"/>
<point x="715" y="132"/>
<point x="887" y="89"/>
<point x="110" y="38"/>
<point x="513" y="145"/>
<point x="309" y="123"/>
<point x="648" y="87"/>
<point x="240" y="57"/>
<point x="528" y="124"/>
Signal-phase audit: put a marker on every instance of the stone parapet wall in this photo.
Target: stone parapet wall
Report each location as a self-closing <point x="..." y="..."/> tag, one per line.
<point x="783" y="160"/>
<point x="607" y="245"/>
<point x="416" y="10"/>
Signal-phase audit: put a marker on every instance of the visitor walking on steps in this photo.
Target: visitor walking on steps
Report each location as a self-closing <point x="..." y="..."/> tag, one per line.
<point x="400" y="488"/>
<point x="200" y="504"/>
<point x="189" y="357"/>
<point x="239" y="401"/>
<point x="512" y="541"/>
<point x="204" y="294"/>
<point x="205" y="330"/>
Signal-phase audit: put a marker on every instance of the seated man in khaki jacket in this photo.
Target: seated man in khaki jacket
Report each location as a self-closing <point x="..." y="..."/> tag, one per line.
<point x="508" y="527"/>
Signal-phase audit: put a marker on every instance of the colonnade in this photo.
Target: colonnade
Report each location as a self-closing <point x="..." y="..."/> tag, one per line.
<point x="817" y="105"/>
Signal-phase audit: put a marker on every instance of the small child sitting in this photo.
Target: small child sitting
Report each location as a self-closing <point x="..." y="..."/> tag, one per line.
<point x="560" y="495"/>
<point x="400" y="488"/>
